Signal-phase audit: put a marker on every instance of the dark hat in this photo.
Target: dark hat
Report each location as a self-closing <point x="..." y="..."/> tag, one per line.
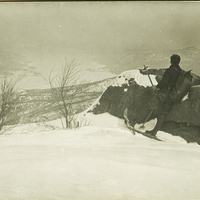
<point x="175" y="59"/>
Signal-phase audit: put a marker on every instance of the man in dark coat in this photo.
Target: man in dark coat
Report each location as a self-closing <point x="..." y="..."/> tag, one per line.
<point x="162" y="90"/>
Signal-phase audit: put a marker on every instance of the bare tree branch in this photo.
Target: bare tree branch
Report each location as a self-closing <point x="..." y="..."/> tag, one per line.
<point x="8" y="97"/>
<point x="65" y="89"/>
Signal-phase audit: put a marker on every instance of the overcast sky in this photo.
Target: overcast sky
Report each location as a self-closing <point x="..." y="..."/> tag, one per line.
<point x="101" y="26"/>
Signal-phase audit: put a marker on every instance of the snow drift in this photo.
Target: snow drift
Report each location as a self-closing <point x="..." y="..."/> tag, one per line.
<point x="101" y="161"/>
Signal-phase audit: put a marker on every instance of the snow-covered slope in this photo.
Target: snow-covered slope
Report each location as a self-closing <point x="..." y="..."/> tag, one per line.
<point x="140" y="79"/>
<point x="103" y="161"/>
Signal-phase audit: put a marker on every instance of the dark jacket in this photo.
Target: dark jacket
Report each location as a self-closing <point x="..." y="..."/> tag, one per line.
<point x="169" y="78"/>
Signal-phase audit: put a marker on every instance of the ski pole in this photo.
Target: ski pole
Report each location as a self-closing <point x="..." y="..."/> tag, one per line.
<point x="150" y="79"/>
<point x="142" y="126"/>
<point x="146" y="69"/>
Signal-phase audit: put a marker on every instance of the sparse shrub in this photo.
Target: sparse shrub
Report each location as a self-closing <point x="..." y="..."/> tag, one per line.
<point x="77" y="122"/>
<point x="66" y="86"/>
<point x="8" y="98"/>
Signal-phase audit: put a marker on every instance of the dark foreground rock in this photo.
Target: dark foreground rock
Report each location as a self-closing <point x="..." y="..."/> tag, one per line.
<point x="183" y="119"/>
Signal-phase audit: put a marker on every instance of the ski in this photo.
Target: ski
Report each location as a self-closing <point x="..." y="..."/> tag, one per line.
<point x="146" y="134"/>
<point x="133" y="130"/>
<point x="127" y="122"/>
<point x="130" y="127"/>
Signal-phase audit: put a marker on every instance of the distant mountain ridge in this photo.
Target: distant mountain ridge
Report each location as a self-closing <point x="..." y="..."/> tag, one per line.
<point x="116" y="63"/>
<point x="36" y="105"/>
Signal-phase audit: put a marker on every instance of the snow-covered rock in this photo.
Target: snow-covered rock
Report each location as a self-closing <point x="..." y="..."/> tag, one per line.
<point x="139" y="78"/>
<point x="183" y="117"/>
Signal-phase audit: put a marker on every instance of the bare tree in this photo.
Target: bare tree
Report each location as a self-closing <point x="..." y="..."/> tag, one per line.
<point x="65" y="88"/>
<point x="8" y="97"/>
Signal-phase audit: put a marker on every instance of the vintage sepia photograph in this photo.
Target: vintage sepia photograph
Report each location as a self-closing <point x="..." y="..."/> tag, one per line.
<point x="99" y="100"/>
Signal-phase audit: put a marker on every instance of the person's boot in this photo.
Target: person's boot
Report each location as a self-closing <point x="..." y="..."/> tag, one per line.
<point x="160" y="121"/>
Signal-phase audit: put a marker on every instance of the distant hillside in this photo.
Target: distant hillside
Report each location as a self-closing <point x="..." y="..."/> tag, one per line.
<point x="134" y="59"/>
<point x="37" y="105"/>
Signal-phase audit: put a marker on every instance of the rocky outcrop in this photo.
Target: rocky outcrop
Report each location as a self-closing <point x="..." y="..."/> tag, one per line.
<point x="114" y="101"/>
<point x="183" y="119"/>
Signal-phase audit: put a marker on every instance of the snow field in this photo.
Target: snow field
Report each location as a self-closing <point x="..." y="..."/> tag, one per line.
<point x="103" y="161"/>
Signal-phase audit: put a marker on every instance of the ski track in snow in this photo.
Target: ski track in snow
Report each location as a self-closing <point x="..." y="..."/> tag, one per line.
<point x="103" y="161"/>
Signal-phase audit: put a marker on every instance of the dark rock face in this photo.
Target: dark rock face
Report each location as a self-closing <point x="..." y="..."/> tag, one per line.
<point x="113" y="101"/>
<point x="183" y="119"/>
